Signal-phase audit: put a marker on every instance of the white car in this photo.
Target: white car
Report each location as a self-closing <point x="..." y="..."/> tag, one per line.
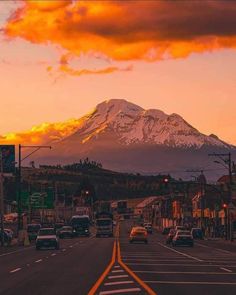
<point x="47" y="238"/>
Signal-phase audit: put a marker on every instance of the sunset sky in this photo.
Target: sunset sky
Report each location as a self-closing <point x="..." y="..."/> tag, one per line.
<point x="59" y="59"/>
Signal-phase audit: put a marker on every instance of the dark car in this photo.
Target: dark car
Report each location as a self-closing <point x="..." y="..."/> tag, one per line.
<point x="166" y="230"/>
<point x="197" y="233"/>
<point x="65" y="232"/>
<point x="148" y="227"/>
<point x="7" y="238"/>
<point x="47" y="238"/>
<point x="170" y="236"/>
<point x="32" y="230"/>
<point x="58" y="226"/>
<point x="183" y="238"/>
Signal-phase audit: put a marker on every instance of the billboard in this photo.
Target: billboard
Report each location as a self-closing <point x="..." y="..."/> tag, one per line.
<point x="7" y="152"/>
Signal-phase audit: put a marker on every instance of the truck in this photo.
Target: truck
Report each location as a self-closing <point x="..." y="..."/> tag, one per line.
<point x="104" y="224"/>
<point x="80" y="225"/>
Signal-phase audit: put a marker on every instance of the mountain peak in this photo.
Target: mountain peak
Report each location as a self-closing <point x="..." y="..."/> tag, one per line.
<point x="116" y="106"/>
<point x="132" y="124"/>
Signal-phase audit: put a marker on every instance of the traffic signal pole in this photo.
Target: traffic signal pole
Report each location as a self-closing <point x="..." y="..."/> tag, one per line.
<point x="1" y="200"/>
<point x="19" y="199"/>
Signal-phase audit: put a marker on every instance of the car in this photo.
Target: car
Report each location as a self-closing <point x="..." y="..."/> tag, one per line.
<point x="148" y="227"/>
<point x="170" y="236"/>
<point x="32" y="230"/>
<point x="47" y="238"/>
<point x="138" y="234"/>
<point x="65" y="232"/>
<point x="6" y="237"/>
<point x="9" y="232"/>
<point x="166" y="230"/>
<point x="197" y="233"/>
<point x="58" y="226"/>
<point x="183" y="238"/>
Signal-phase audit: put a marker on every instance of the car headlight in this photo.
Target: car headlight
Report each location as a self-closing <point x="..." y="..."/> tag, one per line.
<point x="74" y="231"/>
<point x="86" y="230"/>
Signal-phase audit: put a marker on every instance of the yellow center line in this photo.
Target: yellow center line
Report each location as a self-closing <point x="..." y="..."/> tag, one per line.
<point x="132" y="274"/>
<point x="105" y="273"/>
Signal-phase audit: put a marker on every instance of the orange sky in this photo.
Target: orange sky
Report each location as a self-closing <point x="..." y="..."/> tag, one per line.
<point x="60" y="58"/>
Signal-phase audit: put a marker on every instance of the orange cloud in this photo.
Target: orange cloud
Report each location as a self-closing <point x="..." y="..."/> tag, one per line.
<point x="44" y="133"/>
<point x="66" y="69"/>
<point x="123" y="30"/>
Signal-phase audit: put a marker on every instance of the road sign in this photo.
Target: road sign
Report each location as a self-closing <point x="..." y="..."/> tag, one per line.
<point x="8" y="158"/>
<point x="42" y="200"/>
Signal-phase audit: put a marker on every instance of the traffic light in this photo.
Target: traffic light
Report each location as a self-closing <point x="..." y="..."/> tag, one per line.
<point x="225" y="206"/>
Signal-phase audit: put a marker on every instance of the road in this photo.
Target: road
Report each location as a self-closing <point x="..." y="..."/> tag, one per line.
<point x="70" y="270"/>
<point x="113" y="266"/>
<point x="203" y="269"/>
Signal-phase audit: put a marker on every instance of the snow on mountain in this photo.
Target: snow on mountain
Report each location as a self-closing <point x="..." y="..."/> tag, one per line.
<point x="132" y="124"/>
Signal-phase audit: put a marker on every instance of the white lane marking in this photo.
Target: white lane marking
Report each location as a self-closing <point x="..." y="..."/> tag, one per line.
<point x="120" y="291"/>
<point x="217" y="249"/>
<point x="40" y="260"/>
<point x="63" y="250"/>
<point x="226" y="269"/>
<point x="53" y="254"/>
<point x="204" y="246"/>
<point x="189" y="283"/>
<point x="224" y="251"/>
<point x="13" y="252"/>
<point x="174" y="264"/>
<point x="118" y="283"/>
<point x="116" y="266"/>
<point x="117" y="277"/>
<point x="120" y="270"/>
<point x="161" y="260"/>
<point x="181" y="253"/>
<point x="71" y="246"/>
<point x="15" y="270"/>
<point x="185" y="272"/>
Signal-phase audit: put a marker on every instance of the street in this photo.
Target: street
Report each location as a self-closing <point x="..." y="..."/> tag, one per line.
<point x="114" y="266"/>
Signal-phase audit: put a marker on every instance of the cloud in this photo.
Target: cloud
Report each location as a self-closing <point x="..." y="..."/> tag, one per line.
<point x="126" y="30"/>
<point x="108" y="70"/>
<point x="44" y="133"/>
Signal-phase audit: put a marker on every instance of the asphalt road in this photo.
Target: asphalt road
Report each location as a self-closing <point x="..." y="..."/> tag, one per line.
<point x="204" y="269"/>
<point x="114" y="266"/>
<point x="71" y="270"/>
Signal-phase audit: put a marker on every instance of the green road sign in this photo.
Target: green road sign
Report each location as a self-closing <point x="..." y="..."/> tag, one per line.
<point x="44" y="200"/>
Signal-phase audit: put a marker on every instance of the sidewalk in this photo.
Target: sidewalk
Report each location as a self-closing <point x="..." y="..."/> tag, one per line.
<point x="12" y="247"/>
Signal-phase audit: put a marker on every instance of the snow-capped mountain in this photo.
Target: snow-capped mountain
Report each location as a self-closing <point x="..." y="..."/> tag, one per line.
<point x="132" y="124"/>
<point x="125" y="137"/>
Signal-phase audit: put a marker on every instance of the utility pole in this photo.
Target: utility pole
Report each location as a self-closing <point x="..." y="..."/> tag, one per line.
<point x="1" y="199"/>
<point x="19" y="199"/>
<point x="226" y="158"/>
<point x="202" y="193"/>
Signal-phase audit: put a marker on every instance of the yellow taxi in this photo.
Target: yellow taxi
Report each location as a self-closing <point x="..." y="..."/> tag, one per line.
<point x="138" y="234"/>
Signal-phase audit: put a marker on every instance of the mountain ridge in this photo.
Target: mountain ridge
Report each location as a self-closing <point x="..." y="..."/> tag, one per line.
<point x="132" y="124"/>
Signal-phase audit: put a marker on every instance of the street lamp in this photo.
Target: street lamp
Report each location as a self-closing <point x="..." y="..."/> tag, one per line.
<point x="226" y="162"/>
<point x="19" y="202"/>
